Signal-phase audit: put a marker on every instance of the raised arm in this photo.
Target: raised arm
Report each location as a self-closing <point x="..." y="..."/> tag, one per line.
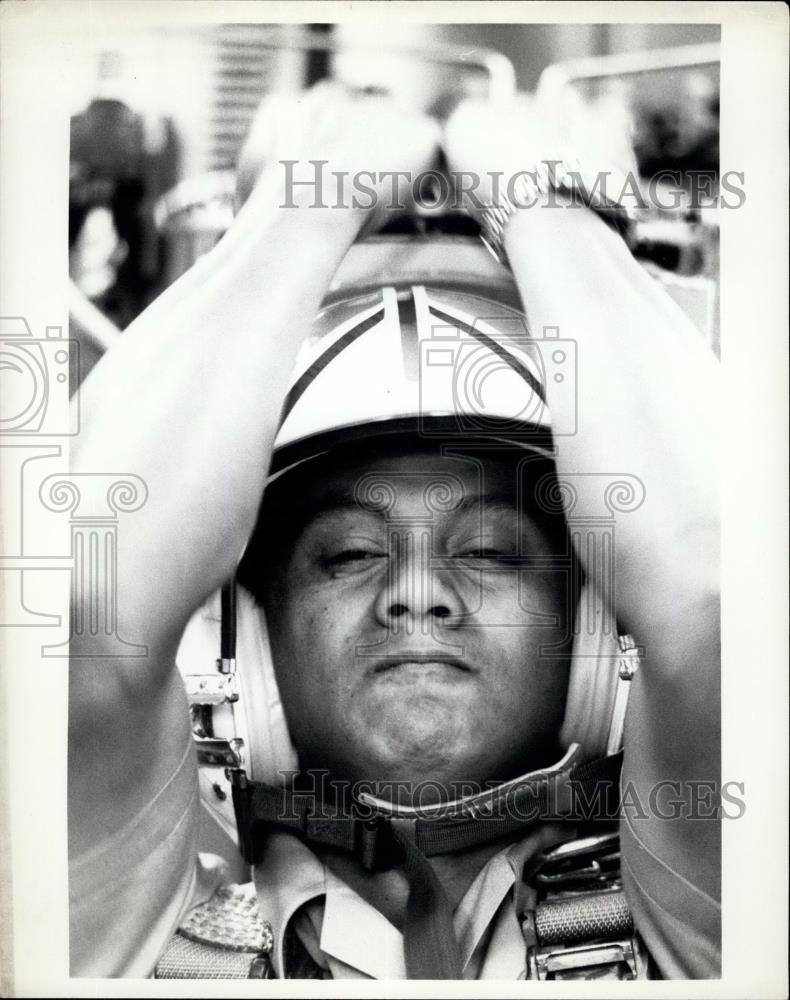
<point x="189" y="401"/>
<point x="646" y="407"/>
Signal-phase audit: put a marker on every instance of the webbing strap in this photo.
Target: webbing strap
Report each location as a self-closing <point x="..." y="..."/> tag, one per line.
<point x="572" y="794"/>
<point x="429" y="943"/>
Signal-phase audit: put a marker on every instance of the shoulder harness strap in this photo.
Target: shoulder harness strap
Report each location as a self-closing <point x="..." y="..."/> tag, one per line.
<point x="223" y="938"/>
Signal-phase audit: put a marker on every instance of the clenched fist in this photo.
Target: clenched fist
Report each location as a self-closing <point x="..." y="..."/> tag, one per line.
<point x="488" y="145"/>
<point x="331" y="148"/>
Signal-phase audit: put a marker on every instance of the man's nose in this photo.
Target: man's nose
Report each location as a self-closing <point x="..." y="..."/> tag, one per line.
<point x="415" y="597"/>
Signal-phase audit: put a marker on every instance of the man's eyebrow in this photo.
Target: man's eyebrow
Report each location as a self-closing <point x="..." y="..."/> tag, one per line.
<point x="310" y="510"/>
<point x="486" y="501"/>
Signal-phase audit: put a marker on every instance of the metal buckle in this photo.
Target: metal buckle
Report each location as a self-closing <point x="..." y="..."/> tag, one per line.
<point x="571" y="872"/>
<point x="212" y="689"/>
<point x="261" y="967"/>
<point x="220" y="753"/>
<point x="594" y="859"/>
<point x="623" y="958"/>
<point x="627" y="666"/>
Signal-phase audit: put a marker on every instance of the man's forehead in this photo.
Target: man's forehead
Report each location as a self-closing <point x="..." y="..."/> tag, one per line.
<point x="418" y="480"/>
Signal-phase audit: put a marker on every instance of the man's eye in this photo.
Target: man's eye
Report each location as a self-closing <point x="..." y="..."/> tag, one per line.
<point x="483" y="553"/>
<point x="352" y="557"/>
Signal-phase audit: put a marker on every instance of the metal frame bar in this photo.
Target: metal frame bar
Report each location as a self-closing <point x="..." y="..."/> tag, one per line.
<point x="500" y="70"/>
<point x="560" y="75"/>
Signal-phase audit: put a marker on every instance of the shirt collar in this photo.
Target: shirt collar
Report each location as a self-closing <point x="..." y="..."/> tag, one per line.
<point x="356" y="935"/>
<point x="287" y="876"/>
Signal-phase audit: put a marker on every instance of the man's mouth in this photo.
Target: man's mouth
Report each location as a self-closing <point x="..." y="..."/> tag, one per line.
<point x="432" y="661"/>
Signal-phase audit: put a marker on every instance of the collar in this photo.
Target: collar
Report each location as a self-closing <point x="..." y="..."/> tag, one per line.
<point x="356" y="940"/>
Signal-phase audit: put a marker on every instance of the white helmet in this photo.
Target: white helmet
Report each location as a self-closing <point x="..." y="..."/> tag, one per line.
<point x="424" y="335"/>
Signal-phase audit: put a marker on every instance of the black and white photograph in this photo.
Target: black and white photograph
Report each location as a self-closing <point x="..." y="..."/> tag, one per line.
<point x="370" y="504"/>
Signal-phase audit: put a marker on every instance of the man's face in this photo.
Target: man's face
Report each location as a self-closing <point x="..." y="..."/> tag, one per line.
<point x="406" y="622"/>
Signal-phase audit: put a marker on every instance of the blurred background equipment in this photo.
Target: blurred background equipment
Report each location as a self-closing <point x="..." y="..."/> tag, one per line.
<point x="669" y="99"/>
<point x="160" y="116"/>
<point x="120" y="162"/>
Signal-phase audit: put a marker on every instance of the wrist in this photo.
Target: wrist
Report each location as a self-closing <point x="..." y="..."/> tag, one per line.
<point x="526" y="189"/>
<point x="270" y="245"/>
<point x="578" y="234"/>
<point x="529" y="193"/>
<point x="299" y="212"/>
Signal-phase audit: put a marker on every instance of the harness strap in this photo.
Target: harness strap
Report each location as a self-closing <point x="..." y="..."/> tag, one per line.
<point x="430" y="946"/>
<point x="572" y="793"/>
<point x="224" y="937"/>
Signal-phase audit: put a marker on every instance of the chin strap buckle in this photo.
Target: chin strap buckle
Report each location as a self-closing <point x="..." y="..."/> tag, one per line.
<point x="627" y="665"/>
<point x="210" y="692"/>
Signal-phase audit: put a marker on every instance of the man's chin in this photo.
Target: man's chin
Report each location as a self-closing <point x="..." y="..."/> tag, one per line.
<point x="418" y="745"/>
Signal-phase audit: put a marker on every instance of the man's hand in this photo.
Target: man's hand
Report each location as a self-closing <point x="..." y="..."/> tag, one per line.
<point x="353" y="136"/>
<point x="520" y="135"/>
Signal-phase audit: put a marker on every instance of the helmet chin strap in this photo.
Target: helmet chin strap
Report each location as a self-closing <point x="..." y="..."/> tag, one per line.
<point x="477" y="805"/>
